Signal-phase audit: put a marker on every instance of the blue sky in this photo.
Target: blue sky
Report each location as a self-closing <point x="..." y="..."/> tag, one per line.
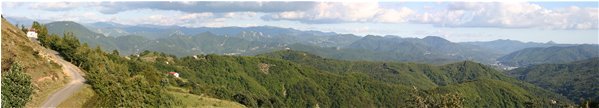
<point x="561" y="22"/>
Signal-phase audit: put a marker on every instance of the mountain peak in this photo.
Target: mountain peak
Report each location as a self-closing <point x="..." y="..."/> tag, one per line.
<point x="66" y="23"/>
<point x="435" y="40"/>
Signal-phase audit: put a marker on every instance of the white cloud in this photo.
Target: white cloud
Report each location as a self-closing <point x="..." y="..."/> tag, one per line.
<point x="393" y="16"/>
<point x="202" y="19"/>
<point x="509" y="15"/>
<point x="208" y="6"/>
<point x="454" y="14"/>
<point x="196" y="16"/>
<point x="336" y="12"/>
<point x="57" y="6"/>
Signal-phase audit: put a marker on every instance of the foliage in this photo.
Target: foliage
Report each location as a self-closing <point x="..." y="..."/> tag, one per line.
<point x="422" y="99"/>
<point x="579" y="80"/>
<point x="16" y="87"/>
<point x="117" y="81"/>
<point x="306" y="80"/>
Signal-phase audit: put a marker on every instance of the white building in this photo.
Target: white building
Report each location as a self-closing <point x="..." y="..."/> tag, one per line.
<point x="174" y="74"/>
<point x="32" y="34"/>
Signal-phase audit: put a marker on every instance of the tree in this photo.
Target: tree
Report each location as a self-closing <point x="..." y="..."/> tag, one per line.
<point x="115" y="52"/>
<point x="422" y="99"/>
<point x="23" y="28"/>
<point x="16" y="87"/>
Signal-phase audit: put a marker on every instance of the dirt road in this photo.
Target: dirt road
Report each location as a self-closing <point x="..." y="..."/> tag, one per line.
<point x="69" y="89"/>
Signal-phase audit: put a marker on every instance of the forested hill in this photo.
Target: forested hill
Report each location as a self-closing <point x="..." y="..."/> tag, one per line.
<point x="555" y="54"/>
<point x="458" y="77"/>
<point x="506" y="46"/>
<point x="293" y="79"/>
<point x="577" y="80"/>
<point x="274" y="82"/>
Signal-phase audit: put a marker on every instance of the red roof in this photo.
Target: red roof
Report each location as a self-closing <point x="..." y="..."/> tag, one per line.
<point x="172" y="73"/>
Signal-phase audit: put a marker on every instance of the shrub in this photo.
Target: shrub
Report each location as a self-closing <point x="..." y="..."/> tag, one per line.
<point x="16" y="87"/>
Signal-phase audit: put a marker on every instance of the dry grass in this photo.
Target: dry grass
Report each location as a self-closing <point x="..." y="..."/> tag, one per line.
<point x="264" y="67"/>
<point x="46" y="75"/>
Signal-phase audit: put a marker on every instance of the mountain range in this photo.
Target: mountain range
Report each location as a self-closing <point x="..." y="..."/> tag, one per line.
<point x="183" y="41"/>
<point x="505" y="46"/>
<point x="553" y="54"/>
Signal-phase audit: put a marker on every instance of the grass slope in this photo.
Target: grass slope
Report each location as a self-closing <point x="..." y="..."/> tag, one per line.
<point x="46" y="75"/>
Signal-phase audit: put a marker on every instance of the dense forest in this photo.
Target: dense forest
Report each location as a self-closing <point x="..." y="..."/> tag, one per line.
<point x="577" y="80"/>
<point x="269" y="81"/>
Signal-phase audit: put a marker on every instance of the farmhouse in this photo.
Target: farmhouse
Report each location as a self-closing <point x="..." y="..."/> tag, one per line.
<point x="174" y="74"/>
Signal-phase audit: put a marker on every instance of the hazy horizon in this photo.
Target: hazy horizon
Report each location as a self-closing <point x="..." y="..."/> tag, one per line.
<point x="560" y="22"/>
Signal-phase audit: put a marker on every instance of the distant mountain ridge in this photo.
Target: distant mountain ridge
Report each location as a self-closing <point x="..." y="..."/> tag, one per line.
<point x="183" y="41"/>
<point x="578" y="80"/>
<point x="430" y="47"/>
<point x="506" y="46"/>
<point x="202" y="43"/>
<point x="554" y="54"/>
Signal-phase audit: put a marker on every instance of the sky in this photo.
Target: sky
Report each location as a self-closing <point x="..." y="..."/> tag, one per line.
<point x="558" y="21"/>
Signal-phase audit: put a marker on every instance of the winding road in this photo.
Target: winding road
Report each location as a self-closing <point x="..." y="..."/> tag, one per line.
<point x="69" y="89"/>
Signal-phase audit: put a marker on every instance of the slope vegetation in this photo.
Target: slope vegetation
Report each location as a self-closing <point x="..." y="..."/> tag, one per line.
<point x="37" y="62"/>
<point x="577" y="80"/>
<point x="299" y="79"/>
<point x="294" y="79"/>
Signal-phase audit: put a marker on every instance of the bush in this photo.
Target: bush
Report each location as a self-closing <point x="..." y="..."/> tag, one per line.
<point x="16" y="87"/>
